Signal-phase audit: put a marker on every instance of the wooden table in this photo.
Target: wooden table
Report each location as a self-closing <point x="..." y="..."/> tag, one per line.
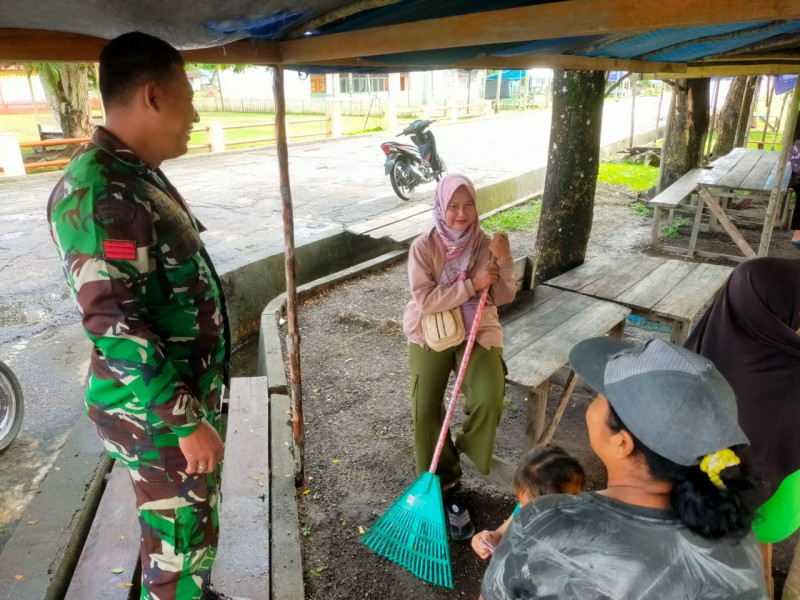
<point x="660" y="289"/>
<point x="742" y="174"/>
<point x="539" y="330"/>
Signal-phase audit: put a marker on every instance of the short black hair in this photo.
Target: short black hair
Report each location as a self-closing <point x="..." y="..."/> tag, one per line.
<point x="549" y="469"/>
<point x="128" y="61"/>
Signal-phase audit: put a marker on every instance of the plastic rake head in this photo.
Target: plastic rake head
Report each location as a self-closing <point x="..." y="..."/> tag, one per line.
<point x="413" y="532"/>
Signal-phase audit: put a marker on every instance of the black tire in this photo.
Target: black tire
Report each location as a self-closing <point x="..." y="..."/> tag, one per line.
<point x="11" y="407"/>
<point x="401" y="177"/>
<point x="442" y="169"/>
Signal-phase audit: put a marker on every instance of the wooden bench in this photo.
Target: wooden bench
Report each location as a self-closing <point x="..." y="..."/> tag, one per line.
<point x="671" y="198"/>
<point x="539" y="329"/>
<point x="259" y="547"/>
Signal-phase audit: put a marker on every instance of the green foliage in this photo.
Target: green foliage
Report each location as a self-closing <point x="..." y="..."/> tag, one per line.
<point x="509" y="405"/>
<point x="640" y="209"/>
<point x="520" y="218"/>
<point x="671" y="230"/>
<point x="636" y="177"/>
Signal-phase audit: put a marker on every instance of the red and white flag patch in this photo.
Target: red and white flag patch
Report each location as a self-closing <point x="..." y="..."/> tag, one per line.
<point x="119" y="250"/>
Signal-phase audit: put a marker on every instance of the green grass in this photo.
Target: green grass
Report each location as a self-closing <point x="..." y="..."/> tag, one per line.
<point x="671" y="230"/>
<point x="636" y="177"/>
<point x="509" y="405"/>
<point x="640" y="209"/>
<point x="520" y="218"/>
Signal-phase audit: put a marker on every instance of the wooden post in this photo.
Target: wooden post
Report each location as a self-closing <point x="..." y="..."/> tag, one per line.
<point x="633" y="109"/>
<point x="97" y="78"/>
<point x="741" y="114"/>
<point x="33" y="95"/>
<point x="497" y="90"/>
<point x="713" y="118"/>
<point x="770" y="90"/>
<point x="293" y="333"/>
<point x="751" y="112"/>
<point x="777" y="190"/>
<point x="780" y="118"/>
<point x="658" y="113"/>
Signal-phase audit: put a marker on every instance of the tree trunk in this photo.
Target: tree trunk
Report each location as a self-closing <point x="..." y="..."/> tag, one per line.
<point x="572" y="167"/>
<point x="687" y="127"/>
<point x="740" y="93"/>
<point x="66" y="86"/>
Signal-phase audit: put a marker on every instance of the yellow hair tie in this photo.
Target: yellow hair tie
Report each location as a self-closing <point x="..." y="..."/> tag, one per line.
<point x="713" y="464"/>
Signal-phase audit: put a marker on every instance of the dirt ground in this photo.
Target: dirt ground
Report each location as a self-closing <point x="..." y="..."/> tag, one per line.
<point x="358" y="421"/>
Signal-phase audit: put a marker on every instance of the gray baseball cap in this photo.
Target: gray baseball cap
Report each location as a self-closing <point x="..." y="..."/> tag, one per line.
<point x="673" y="400"/>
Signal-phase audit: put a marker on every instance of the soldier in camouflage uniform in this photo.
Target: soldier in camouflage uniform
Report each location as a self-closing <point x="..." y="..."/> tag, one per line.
<point x="152" y="305"/>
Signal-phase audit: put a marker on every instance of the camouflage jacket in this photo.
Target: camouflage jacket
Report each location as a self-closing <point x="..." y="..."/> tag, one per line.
<point x="150" y="299"/>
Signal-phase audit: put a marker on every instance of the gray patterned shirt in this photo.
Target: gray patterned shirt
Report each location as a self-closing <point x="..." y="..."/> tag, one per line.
<point x="590" y="547"/>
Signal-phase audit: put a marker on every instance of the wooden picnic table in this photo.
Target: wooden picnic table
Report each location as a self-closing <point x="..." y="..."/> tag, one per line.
<point x="660" y="289"/>
<point x="742" y="174"/>
<point x="539" y="330"/>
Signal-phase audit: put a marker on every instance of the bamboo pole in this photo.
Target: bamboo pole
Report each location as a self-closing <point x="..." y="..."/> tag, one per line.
<point x="751" y="112"/>
<point x="741" y="114"/>
<point x="777" y="189"/>
<point x="293" y="333"/>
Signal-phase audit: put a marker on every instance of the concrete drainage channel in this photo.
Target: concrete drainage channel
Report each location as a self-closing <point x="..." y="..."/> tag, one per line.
<point x="322" y="263"/>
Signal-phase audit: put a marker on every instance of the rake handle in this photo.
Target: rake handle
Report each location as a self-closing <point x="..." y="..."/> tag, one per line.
<point x="451" y="407"/>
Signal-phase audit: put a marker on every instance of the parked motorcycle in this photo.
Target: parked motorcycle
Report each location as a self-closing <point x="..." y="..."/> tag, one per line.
<point x="409" y="166"/>
<point x="11" y="408"/>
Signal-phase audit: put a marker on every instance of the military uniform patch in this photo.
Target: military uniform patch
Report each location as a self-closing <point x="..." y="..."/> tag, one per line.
<point x="119" y="250"/>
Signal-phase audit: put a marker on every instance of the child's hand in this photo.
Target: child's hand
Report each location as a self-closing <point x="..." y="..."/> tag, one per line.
<point x="485" y="542"/>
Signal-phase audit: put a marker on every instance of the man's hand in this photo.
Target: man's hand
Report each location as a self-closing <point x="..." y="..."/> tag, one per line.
<point x="202" y="449"/>
<point x="500" y="247"/>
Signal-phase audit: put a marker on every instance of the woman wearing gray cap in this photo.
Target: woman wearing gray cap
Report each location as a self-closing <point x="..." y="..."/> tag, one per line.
<point x="674" y="519"/>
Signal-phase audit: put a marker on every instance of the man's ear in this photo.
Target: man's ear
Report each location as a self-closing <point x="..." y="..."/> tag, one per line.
<point x="149" y="93"/>
<point x="623" y="442"/>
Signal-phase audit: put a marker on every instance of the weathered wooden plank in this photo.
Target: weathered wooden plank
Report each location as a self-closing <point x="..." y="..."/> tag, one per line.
<point x="727" y="224"/>
<point x="538" y="361"/>
<point x="678" y="191"/>
<point x="770" y="182"/>
<point x="735" y="176"/>
<point x="524" y="302"/>
<point x="623" y="277"/>
<point x="657" y="284"/>
<point x="243" y="558"/>
<point x="531" y="326"/>
<point x="721" y="167"/>
<point x="760" y="172"/>
<point x="287" y="562"/>
<point x="405" y="229"/>
<point x="687" y="299"/>
<point x="579" y="277"/>
<point x="388" y="218"/>
<point x="113" y="542"/>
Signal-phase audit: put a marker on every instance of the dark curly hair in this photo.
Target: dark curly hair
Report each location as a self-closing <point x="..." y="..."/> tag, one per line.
<point x="549" y="469"/>
<point x="705" y="509"/>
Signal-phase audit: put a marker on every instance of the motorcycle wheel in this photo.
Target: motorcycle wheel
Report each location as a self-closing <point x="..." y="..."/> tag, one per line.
<point x="401" y="177"/>
<point x="442" y="169"/>
<point x="11" y="408"/>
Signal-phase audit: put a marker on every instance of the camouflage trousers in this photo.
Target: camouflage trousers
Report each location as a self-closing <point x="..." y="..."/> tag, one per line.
<point x="177" y="512"/>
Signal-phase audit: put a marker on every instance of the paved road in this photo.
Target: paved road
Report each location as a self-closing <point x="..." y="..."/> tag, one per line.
<point x="334" y="183"/>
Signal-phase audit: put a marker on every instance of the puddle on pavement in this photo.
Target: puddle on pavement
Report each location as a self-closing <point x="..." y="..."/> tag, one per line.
<point x="244" y="362"/>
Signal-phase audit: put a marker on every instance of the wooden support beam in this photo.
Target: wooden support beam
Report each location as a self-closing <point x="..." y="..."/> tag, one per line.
<point x="777" y="192"/>
<point x="539" y="22"/>
<point x="522" y="61"/>
<point x="694" y="70"/>
<point x="726" y="223"/>
<point x="34" y="45"/>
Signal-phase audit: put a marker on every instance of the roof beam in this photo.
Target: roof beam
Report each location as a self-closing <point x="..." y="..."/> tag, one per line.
<point x="34" y="45"/>
<point x="732" y="70"/>
<point x="522" y="61"/>
<point x="542" y="21"/>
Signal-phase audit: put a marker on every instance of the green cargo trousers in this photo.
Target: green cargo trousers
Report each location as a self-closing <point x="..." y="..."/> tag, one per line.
<point x="483" y="386"/>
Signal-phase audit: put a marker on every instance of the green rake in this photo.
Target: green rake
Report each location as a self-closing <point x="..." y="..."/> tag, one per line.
<point x="412" y="532"/>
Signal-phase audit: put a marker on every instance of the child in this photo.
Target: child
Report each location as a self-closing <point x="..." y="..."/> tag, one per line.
<point x="546" y="470"/>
